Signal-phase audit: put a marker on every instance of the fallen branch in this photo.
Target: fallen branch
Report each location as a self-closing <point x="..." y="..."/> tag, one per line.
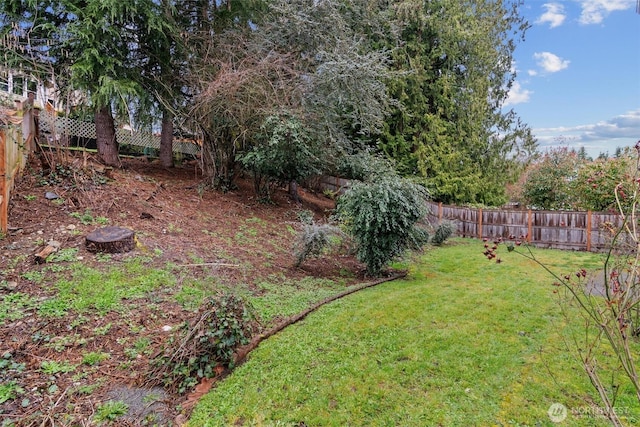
<point x="207" y="264"/>
<point x="41" y="257"/>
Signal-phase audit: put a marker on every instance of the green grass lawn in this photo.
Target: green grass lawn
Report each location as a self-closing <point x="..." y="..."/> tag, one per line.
<point x="463" y="341"/>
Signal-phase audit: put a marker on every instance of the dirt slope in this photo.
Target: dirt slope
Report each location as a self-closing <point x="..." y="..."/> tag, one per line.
<point x="227" y="235"/>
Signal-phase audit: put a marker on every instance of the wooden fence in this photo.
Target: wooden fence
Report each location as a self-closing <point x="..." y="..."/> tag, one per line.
<point x="13" y="157"/>
<point x="585" y="231"/>
<point x="333" y="184"/>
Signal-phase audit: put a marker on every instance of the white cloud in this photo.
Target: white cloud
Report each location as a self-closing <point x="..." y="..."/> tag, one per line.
<point x="550" y="63"/>
<point x="554" y="15"/>
<point x="605" y="136"/>
<point x="517" y="95"/>
<point x="623" y="126"/>
<point x="594" y="11"/>
<point x="629" y="120"/>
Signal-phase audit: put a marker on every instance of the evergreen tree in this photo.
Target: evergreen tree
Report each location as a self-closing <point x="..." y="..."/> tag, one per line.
<point x="582" y="153"/>
<point x="94" y="47"/>
<point x="300" y="58"/>
<point x="455" y="64"/>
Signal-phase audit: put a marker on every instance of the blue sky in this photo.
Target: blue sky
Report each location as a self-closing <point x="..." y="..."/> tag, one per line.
<point x="578" y="74"/>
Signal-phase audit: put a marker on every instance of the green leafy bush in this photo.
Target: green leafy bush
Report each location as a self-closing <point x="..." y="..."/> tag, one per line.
<point x="548" y="181"/>
<point x="224" y="323"/>
<point x="564" y="180"/>
<point x="597" y="181"/>
<point x="444" y="230"/>
<point x="382" y="218"/>
<point x="284" y="154"/>
<point x="364" y="166"/>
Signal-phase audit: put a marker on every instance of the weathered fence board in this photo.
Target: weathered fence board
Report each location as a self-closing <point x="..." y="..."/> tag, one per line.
<point x="332" y="183"/>
<point x="587" y="231"/>
<point x="13" y="157"/>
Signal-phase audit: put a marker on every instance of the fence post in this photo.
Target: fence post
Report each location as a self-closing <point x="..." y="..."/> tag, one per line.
<point x="480" y="223"/>
<point x="588" y="231"/>
<point x="439" y="211"/>
<point x="4" y="200"/>
<point x="530" y="227"/>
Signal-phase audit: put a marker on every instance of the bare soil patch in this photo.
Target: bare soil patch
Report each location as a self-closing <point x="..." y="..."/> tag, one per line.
<point x="230" y="236"/>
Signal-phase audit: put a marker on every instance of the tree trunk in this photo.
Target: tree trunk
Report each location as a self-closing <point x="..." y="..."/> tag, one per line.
<point x="106" y="137"/>
<point x="166" y="140"/>
<point x="293" y="191"/>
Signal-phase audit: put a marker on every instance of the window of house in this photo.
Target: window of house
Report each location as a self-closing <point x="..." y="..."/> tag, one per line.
<point x="18" y="85"/>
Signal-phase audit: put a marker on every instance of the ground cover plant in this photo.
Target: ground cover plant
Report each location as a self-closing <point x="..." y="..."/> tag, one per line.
<point x="456" y="343"/>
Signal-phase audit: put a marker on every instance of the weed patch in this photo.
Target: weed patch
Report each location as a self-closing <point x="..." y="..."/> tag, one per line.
<point x="111" y="411"/>
<point x="103" y="291"/>
<point x="64" y="255"/>
<point x="53" y="367"/>
<point x="15" y="306"/>
<point x="193" y="292"/>
<point x="87" y="218"/>
<point x="9" y="391"/>
<point x="94" y="358"/>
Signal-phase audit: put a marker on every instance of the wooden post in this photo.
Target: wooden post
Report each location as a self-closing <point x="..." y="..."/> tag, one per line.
<point x="530" y="227"/>
<point x="480" y="223"/>
<point x="4" y="201"/>
<point x="588" y="231"/>
<point x="439" y="211"/>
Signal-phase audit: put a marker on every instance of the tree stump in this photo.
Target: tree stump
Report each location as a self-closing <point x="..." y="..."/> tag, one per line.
<point x="111" y="240"/>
